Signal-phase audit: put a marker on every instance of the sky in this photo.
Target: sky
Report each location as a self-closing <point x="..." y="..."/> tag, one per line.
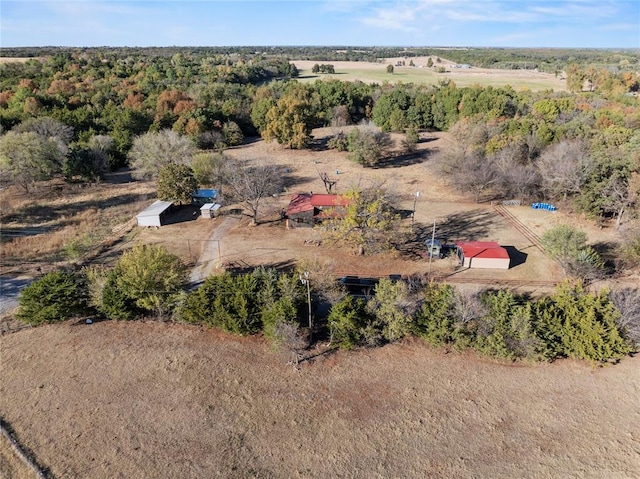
<point x="479" y="23"/>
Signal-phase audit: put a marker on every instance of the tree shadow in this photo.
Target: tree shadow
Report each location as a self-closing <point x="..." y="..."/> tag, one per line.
<point x="319" y="144"/>
<point x="290" y="180"/>
<point x="401" y="160"/>
<point x="464" y="226"/>
<point x="241" y="267"/>
<point x="516" y="257"/>
<point x="119" y="177"/>
<point x="608" y="252"/>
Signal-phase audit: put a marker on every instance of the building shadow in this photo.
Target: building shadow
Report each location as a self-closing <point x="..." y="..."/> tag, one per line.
<point x="516" y="257"/>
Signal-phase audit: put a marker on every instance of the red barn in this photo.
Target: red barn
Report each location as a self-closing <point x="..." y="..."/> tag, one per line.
<point x="483" y="254"/>
<point x="305" y="209"/>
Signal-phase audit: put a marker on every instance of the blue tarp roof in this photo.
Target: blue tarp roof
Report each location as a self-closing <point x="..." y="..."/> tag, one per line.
<point x="205" y="193"/>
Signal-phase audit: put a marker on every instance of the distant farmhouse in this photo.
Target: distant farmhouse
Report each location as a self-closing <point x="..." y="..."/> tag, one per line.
<point x="307" y="209"/>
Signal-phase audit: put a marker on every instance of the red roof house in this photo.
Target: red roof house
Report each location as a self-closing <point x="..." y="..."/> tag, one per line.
<point x="483" y="254"/>
<point x="307" y="208"/>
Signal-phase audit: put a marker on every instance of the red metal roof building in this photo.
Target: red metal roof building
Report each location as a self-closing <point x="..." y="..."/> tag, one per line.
<point x="306" y="208"/>
<point x="483" y="254"/>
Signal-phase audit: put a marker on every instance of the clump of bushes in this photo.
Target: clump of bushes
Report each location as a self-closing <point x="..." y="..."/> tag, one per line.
<point x="54" y="297"/>
<point x="570" y="323"/>
<point x="147" y="280"/>
<point x="246" y="303"/>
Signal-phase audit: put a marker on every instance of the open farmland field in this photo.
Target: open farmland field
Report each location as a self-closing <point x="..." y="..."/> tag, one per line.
<point x="377" y="73"/>
<point x="122" y="399"/>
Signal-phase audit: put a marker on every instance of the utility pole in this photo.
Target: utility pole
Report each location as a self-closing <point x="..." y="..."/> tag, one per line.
<point x="433" y="239"/>
<point x="416" y="195"/>
<point x="304" y="279"/>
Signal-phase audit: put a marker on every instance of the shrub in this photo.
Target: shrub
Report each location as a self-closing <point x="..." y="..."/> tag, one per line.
<point x="150" y="277"/>
<point x="246" y="303"/>
<point x="579" y="325"/>
<point x="506" y="330"/>
<point x="351" y="325"/>
<point x="435" y="321"/>
<point x="54" y="297"/>
<point x="392" y="308"/>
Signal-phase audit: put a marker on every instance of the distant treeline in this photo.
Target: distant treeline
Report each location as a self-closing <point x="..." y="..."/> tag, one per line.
<point x="544" y="59"/>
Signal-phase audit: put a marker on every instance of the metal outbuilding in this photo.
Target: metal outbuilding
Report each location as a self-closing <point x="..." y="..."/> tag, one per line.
<point x="154" y="214"/>
<point x="483" y="254"/>
<point x="210" y="210"/>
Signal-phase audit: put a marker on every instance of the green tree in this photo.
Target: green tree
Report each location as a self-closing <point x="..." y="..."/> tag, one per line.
<point x="208" y="168"/>
<point x="370" y="221"/>
<point x="351" y="325"/>
<point x="54" y="297"/>
<point x="367" y="145"/>
<point x="390" y="69"/>
<point x="152" y="151"/>
<point x="151" y="277"/>
<point x="232" y="133"/>
<point x="435" y="320"/>
<point x="563" y="243"/>
<point x="176" y="183"/>
<point x="292" y="118"/>
<point x="581" y="325"/>
<point x="393" y="308"/>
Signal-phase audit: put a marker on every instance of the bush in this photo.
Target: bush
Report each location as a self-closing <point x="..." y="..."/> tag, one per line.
<point x="576" y="324"/>
<point x="506" y="330"/>
<point x="435" y="321"/>
<point x="149" y="277"/>
<point x="351" y="325"/>
<point x="54" y="297"/>
<point x="246" y="303"/>
<point x="392" y="308"/>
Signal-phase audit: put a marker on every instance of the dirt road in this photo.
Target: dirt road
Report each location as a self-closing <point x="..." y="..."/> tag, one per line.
<point x="210" y="257"/>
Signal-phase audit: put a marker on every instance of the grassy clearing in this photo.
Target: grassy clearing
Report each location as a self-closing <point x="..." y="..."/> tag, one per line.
<point x="377" y="73"/>
<point x="61" y="222"/>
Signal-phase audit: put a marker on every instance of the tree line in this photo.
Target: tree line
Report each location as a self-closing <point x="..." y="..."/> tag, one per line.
<point x="149" y="282"/>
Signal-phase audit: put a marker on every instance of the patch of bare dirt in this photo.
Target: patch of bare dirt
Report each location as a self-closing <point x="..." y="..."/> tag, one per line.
<point x="118" y="399"/>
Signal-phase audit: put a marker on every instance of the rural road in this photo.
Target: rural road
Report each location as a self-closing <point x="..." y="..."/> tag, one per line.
<point x="210" y="257"/>
<point x="9" y="292"/>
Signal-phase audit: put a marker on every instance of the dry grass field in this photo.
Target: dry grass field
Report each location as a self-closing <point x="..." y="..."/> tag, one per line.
<point x="370" y="72"/>
<point x="137" y="400"/>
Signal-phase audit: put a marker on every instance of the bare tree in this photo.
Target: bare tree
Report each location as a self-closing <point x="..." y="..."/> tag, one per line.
<point x="516" y="175"/>
<point x="291" y="341"/>
<point x="152" y="151"/>
<point x="328" y="182"/>
<point x="627" y="301"/>
<point x="467" y="305"/>
<point x="251" y="184"/>
<point x="564" y="168"/>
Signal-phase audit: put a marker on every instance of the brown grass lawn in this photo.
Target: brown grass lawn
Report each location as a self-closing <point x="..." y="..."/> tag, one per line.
<point x="134" y="400"/>
<point x="370" y="72"/>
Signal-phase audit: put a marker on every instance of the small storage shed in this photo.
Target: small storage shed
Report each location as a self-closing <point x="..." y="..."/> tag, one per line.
<point x="154" y="214"/>
<point x="483" y="254"/>
<point x="204" y="196"/>
<point x="210" y="210"/>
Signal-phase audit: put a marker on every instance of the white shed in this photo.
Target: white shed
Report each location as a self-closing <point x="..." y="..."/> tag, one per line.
<point x="154" y="214"/>
<point x="210" y="210"/>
